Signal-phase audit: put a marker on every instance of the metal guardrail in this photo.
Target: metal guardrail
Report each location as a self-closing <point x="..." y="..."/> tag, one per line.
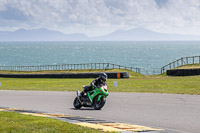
<point x="85" y="66"/>
<point x="181" y="62"/>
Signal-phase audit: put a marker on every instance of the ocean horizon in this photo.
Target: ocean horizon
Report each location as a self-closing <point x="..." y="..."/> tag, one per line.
<point x="147" y="55"/>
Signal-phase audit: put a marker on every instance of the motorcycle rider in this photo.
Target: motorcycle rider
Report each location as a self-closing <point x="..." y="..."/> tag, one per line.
<point x="95" y="83"/>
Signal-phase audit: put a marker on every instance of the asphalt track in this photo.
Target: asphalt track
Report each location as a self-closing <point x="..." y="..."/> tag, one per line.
<point x="172" y="112"/>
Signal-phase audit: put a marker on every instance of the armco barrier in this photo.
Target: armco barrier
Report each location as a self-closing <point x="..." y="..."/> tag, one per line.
<point x="183" y="72"/>
<point x="67" y="75"/>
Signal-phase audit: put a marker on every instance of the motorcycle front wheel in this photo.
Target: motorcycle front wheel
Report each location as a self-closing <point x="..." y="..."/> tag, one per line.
<point x="99" y="104"/>
<point x="77" y="103"/>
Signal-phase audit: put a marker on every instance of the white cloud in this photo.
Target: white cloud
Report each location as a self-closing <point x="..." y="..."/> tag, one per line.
<point x="95" y="17"/>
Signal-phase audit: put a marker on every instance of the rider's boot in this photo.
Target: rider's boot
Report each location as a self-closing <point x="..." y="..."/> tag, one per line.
<point x="82" y="93"/>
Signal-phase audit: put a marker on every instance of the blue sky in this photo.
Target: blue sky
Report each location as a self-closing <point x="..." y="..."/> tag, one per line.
<point x="99" y="17"/>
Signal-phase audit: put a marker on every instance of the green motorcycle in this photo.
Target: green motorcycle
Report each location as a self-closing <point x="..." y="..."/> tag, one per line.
<point x="95" y="98"/>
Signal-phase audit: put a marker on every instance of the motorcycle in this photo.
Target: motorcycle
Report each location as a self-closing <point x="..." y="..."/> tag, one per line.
<point x="95" y="98"/>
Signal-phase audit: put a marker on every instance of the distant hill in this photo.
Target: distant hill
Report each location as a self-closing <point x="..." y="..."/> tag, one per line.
<point x="40" y="35"/>
<point x="136" y="34"/>
<point x="142" y="34"/>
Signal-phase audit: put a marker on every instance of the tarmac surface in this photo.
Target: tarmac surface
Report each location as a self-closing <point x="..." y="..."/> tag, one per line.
<point x="171" y="112"/>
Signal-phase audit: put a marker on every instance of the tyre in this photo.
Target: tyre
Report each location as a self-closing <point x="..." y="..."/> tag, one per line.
<point x="77" y="103"/>
<point x="99" y="104"/>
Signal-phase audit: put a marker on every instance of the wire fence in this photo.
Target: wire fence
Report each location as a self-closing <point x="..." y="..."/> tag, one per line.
<point x="85" y="66"/>
<point x="103" y="66"/>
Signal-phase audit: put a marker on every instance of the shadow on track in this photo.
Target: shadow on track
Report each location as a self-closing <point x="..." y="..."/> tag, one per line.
<point x="89" y="109"/>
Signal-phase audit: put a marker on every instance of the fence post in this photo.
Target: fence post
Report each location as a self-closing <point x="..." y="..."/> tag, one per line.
<point x="181" y="61"/>
<point x="108" y="65"/>
<point x="187" y="60"/>
<point x="199" y="59"/>
<point x="193" y="60"/>
<point x="177" y="63"/>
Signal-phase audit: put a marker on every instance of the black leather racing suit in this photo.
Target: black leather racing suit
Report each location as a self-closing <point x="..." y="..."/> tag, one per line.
<point x="95" y="83"/>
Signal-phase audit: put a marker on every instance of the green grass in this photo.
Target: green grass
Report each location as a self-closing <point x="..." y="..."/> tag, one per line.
<point x="131" y="73"/>
<point x="11" y="122"/>
<point x="137" y="83"/>
<point x="158" y="84"/>
<point x="189" y="66"/>
<point x="47" y="84"/>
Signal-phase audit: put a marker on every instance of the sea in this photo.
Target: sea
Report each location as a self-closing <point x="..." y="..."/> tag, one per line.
<point x="150" y="56"/>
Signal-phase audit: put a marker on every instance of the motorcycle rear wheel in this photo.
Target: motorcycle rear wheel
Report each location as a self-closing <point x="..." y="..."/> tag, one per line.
<point x="99" y="104"/>
<point x="77" y="103"/>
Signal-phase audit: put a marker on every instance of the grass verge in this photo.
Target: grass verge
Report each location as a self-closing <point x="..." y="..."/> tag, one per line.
<point x="143" y="84"/>
<point x="189" y="66"/>
<point x="11" y="122"/>
<point x="65" y="71"/>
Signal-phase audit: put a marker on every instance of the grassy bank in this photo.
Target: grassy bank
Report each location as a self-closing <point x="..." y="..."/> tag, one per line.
<point x="137" y="83"/>
<point x="66" y="71"/>
<point x="189" y="66"/>
<point x="131" y="73"/>
<point x="11" y="122"/>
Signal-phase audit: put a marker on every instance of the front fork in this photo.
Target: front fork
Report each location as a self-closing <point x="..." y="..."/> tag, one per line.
<point x="78" y="94"/>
